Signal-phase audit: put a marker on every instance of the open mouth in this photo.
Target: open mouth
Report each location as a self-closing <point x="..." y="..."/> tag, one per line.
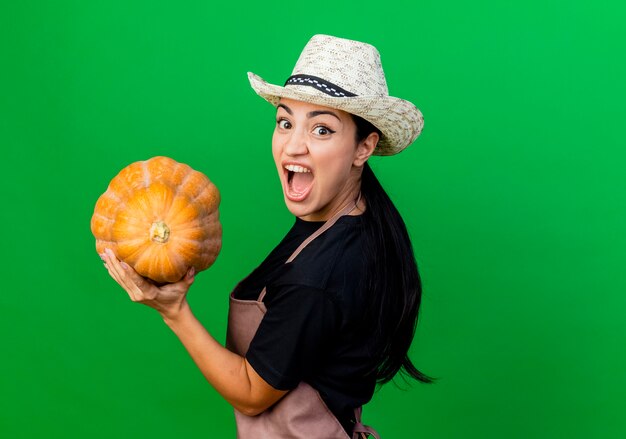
<point x="299" y="182"/>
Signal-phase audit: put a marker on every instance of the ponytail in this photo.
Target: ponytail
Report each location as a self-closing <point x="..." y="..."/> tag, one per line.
<point x="392" y="285"/>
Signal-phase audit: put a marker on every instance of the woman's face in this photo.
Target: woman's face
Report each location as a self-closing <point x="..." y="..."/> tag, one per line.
<point x="318" y="159"/>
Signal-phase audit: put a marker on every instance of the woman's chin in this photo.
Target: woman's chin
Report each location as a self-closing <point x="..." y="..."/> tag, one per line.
<point x="302" y="209"/>
<point x="297" y="208"/>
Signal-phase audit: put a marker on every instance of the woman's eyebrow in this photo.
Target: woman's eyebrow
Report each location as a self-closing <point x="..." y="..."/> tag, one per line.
<point x="287" y="109"/>
<point x="317" y="113"/>
<point x="311" y="113"/>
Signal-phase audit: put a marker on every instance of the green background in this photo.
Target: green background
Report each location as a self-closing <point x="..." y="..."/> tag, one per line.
<point x="514" y="196"/>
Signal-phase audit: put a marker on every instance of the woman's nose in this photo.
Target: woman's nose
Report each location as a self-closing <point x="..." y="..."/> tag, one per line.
<point x="296" y="144"/>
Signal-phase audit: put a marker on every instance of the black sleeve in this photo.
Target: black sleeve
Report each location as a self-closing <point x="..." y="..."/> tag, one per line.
<point x="293" y="336"/>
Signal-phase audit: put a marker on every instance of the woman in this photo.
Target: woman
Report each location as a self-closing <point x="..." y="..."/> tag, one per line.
<point x="332" y="310"/>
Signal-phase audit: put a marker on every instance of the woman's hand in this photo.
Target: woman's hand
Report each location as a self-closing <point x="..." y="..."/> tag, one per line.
<point x="167" y="299"/>
<point x="231" y="375"/>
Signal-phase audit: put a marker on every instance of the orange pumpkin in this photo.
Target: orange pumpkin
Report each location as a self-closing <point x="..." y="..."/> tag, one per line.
<point x="160" y="217"/>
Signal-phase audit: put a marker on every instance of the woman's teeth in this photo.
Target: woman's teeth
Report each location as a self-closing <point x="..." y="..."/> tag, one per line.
<point x="296" y="168"/>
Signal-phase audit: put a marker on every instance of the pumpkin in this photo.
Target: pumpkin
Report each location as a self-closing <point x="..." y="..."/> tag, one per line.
<point x="160" y="217"/>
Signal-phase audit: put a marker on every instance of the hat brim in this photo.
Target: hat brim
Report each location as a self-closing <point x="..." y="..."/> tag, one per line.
<point x="399" y="120"/>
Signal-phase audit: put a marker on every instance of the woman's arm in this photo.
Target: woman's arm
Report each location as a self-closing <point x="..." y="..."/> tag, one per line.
<point x="230" y="374"/>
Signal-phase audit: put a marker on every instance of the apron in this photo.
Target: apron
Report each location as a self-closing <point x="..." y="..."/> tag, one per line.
<point x="301" y="413"/>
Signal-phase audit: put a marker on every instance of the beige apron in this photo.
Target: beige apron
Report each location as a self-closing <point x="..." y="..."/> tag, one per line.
<point x="301" y="413"/>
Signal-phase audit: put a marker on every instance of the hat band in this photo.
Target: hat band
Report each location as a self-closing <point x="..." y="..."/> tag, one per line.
<point x="320" y="84"/>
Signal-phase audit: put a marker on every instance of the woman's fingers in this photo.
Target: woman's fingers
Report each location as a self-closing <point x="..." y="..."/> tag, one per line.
<point x="123" y="276"/>
<point x="109" y="264"/>
<point x="190" y="276"/>
<point x="183" y="285"/>
<point x="139" y="289"/>
<point x="136" y="283"/>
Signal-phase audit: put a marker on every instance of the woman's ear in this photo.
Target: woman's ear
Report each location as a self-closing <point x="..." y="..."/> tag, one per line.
<point x="365" y="148"/>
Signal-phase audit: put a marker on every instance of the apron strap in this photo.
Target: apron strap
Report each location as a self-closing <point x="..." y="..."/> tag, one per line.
<point x="360" y="430"/>
<point x="327" y="225"/>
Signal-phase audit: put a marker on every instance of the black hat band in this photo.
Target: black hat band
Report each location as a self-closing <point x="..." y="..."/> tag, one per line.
<point x="320" y="84"/>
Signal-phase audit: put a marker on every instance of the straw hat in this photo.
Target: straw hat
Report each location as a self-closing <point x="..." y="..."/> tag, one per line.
<point x="347" y="75"/>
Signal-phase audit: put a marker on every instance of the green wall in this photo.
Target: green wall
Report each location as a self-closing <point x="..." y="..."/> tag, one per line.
<point x="514" y="196"/>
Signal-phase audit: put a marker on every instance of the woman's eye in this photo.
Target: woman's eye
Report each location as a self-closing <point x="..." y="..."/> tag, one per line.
<point x="284" y="124"/>
<point x="322" y="131"/>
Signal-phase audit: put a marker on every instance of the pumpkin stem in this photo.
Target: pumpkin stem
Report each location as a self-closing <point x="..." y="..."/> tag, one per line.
<point x="159" y="232"/>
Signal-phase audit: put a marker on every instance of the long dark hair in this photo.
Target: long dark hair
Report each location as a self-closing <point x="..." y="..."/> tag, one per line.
<point x="393" y="287"/>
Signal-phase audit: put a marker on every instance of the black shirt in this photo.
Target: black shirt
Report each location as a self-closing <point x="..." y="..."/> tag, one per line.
<point x="313" y="307"/>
